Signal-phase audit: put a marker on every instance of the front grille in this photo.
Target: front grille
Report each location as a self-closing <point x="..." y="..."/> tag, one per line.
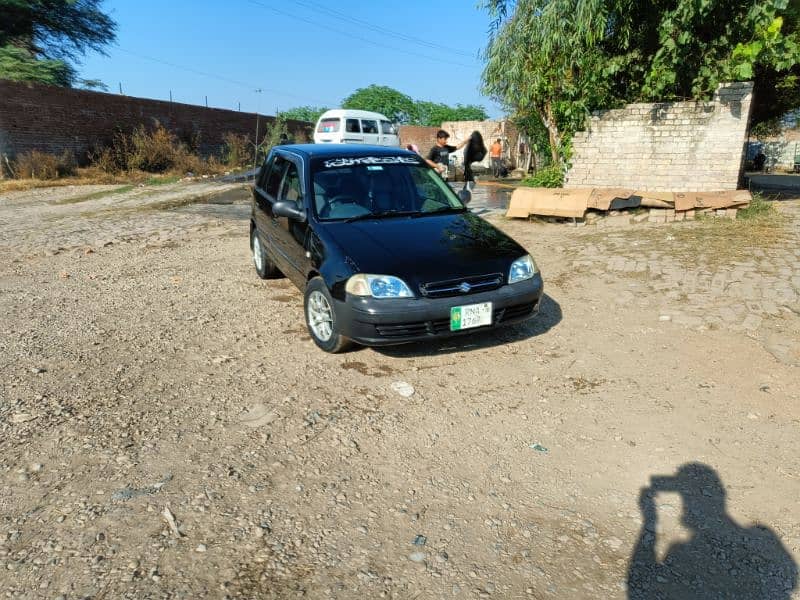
<point x="403" y="329"/>
<point x="462" y="286"/>
<point x="439" y="326"/>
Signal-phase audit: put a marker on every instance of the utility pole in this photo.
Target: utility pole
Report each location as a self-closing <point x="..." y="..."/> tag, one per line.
<point x="206" y="101"/>
<point x="120" y="89"/>
<point x="258" y="106"/>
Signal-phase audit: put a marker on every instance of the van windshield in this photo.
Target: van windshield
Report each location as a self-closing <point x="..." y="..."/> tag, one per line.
<point x="329" y="125"/>
<point x="379" y="186"/>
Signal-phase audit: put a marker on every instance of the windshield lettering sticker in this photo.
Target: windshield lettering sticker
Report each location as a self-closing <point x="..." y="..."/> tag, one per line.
<point x="371" y="160"/>
<point x="374" y="168"/>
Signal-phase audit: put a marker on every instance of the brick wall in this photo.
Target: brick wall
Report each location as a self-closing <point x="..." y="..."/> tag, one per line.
<point x="423" y="137"/>
<point x="54" y="119"/>
<point x="680" y="146"/>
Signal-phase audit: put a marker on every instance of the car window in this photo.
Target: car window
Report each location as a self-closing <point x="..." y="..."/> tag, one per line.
<point x="262" y="175"/>
<point x="387" y="128"/>
<point x="329" y="125"/>
<point x="275" y="175"/>
<point x="351" y="126"/>
<point x="290" y="190"/>
<point x="351" y="187"/>
<point x="369" y="126"/>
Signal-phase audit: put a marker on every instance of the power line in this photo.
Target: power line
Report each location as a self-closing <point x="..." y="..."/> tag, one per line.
<point x="382" y="30"/>
<point x="357" y="37"/>
<point x="223" y="78"/>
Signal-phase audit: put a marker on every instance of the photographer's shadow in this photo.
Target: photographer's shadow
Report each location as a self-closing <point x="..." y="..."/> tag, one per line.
<point x="720" y="560"/>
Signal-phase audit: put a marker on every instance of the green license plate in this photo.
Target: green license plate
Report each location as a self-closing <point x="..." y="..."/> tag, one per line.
<point x="470" y="315"/>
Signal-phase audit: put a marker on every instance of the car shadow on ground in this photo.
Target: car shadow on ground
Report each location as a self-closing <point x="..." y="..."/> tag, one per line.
<point x="718" y="559"/>
<point x="549" y="316"/>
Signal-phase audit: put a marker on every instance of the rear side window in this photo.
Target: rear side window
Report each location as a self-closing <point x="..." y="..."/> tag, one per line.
<point x="351" y="126"/>
<point x="274" y="178"/>
<point x="328" y="126"/>
<point x="369" y="126"/>
<point x="387" y="128"/>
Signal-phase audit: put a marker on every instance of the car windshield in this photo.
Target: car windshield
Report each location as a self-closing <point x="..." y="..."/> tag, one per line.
<point x="379" y="186"/>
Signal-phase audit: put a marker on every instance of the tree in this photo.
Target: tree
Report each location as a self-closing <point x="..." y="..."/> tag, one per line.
<point x="385" y="100"/>
<point x="433" y="114"/>
<point x="543" y="61"/>
<point x="560" y="58"/>
<point x="303" y="113"/>
<point x="41" y="40"/>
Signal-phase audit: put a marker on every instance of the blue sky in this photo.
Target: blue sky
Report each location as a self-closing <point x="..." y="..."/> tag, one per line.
<point x="298" y="52"/>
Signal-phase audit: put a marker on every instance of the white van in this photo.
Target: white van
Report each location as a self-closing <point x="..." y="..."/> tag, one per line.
<point x="347" y="126"/>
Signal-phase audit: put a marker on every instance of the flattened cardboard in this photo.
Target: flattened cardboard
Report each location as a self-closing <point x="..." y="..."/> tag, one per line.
<point x="553" y="202"/>
<point x="603" y="198"/>
<point x="656" y="199"/>
<point x="727" y="199"/>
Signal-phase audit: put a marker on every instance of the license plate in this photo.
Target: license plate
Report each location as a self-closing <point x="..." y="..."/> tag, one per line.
<point x="471" y="315"/>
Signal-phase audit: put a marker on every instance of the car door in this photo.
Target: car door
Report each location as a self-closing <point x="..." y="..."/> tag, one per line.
<point x="388" y="134"/>
<point x="352" y="132"/>
<point x="291" y="233"/>
<point x="265" y="192"/>
<point x="370" y="131"/>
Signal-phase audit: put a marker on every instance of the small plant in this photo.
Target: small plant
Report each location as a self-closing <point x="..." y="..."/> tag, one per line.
<point x="155" y="151"/>
<point x="758" y="208"/>
<point x="237" y="151"/>
<point x="549" y="177"/>
<point x="41" y="165"/>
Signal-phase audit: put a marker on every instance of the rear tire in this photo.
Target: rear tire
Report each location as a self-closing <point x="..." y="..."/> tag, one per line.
<point x="264" y="266"/>
<point x="323" y="326"/>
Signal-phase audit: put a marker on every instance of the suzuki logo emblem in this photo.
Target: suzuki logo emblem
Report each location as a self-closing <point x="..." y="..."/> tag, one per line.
<point x="465" y="287"/>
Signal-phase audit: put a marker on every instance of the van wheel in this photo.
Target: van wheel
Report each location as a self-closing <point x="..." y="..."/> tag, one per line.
<point x="321" y="318"/>
<point x="265" y="268"/>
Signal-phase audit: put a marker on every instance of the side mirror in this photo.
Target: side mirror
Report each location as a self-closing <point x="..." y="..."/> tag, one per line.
<point x="287" y="208"/>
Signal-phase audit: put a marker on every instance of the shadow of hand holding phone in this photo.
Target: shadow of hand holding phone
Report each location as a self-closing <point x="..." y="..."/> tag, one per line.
<point x="719" y="560"/>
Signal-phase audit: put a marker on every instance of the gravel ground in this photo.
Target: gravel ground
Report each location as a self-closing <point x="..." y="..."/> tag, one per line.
<point x="168" y="429"/>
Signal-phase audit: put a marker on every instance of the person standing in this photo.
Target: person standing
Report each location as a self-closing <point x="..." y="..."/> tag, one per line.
<point x="439" y="156"/>
<point x="496" y="153"/>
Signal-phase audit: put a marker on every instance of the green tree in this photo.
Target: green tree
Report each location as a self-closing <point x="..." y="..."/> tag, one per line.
<point x="41" y="40"/>
<point x="563" y="58"/>
<point x="385" y="100"/>
<point x="433" y="114"/>
<point x="303" y="113"/>
<point x="543" y="60"/>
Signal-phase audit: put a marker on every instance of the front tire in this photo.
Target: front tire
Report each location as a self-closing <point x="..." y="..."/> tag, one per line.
<point x="264" y="266"/>
<point x="323" y="326"/>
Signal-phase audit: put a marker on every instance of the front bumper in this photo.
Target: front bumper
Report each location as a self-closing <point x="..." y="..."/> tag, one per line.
<point x="382" y="321"/>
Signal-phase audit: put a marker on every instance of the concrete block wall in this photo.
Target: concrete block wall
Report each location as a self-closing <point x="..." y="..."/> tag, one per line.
<point x="678" y="146"/>
<point x="54" y="119"/>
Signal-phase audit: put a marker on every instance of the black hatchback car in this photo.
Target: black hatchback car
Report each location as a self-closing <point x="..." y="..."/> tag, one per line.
<point x="383" y="249"/>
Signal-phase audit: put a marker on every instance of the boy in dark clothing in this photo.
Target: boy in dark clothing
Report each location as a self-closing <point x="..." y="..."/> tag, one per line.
<point x="439" y="156"/>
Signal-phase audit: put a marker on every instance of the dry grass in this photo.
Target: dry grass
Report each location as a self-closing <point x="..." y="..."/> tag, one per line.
<point x="712" y="241"/>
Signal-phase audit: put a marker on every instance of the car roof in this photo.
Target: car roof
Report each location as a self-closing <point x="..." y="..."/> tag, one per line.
<point x="351" y="112"/>
<point x="310" y="151"/>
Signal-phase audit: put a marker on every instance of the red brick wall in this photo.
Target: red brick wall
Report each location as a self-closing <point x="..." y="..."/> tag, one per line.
<point x="423" y="137"/>
<point x="54" y="119"/>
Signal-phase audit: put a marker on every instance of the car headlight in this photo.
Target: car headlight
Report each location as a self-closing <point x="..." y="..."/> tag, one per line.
<point x="522" y="269"/>
<point x="378" y="286"/>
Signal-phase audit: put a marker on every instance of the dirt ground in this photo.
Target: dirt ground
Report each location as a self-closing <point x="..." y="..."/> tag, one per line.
<point x="168" y="429"/>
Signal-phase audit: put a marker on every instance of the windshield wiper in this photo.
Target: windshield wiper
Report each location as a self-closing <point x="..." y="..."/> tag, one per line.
<point x="381" y="215"/>
<point x="444" y="209"/>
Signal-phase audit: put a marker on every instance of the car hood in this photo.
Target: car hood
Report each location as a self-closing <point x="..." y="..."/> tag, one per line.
<point x="426" y="249"/>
